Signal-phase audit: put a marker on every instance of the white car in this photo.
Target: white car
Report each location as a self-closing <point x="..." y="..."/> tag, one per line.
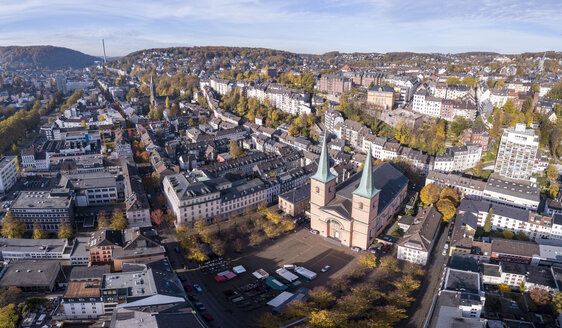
<point x="326" y="268"/>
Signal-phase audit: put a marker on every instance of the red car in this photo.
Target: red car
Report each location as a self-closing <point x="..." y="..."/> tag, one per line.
<point x="187" y="288"/>
<point x="207" y="317"/>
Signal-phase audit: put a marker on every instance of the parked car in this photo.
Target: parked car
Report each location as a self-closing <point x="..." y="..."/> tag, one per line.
<point x="314" y="232"/>
<point x="207" y="317"/>
<point x="182" y="278"/>
<point x="198" y="288"/>
<point x="193" y="298"/>
<point x="373" y="250"/>
<point x="200" y="306"/>
<point x="356" y="249"/>
<point x="326" y="268"/>
<point x="177" y="249"/>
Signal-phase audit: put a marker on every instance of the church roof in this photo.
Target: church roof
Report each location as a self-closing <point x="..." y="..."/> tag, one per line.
<point x="367" y="187"/>
<point x="323" y="173"/>
<point x="387" y="178"/>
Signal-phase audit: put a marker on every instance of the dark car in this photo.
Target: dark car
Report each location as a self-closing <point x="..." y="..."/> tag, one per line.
<point x="200" y="306"/>
<point x="193" y="298"/>
<point x="182" y="278"/>
<point x="208" y="317"/>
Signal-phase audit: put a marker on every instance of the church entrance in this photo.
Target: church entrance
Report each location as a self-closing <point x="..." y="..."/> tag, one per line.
<point x="334" y="229"/>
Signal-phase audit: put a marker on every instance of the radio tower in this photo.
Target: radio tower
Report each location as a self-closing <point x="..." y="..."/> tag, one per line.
<point x="103" y="44"/>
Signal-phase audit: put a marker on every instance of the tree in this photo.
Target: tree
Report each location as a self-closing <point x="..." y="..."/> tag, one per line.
<point x="446" y="208"/>
<point x="508" y="234"/>
<point x="161" y="198"/>
<point x="552" y="173"/>
<point x="470" y="81"/>
<point x="293" y="130"/>
<point x="553" y="190"/>
<point x="389" y="264"/>
<point x="191" y="123"/>
<point x="219" y="247"/>
<point x="522" y="287"/>
<point x="504" y="288"/>
<point x="15" y="150"/>
<point x="368" y="260"/>
<point x="520" y="71"/>
<point x="8" y="316"/>
<point x="9" y="295"/>
<point x="540" y="296"/>
<point x="12" y="228"/>
<point x="430" y="194"/>
<point x="325" y="319"/>
<point x="322" y="298"/>
<point x="453" y="80"/>
<point x="271" y="231"/>
<point x="157" y="216"/>
<point x="167" y="102"/>
<point x="103" y="220"/>
<point x="38" y="231"/>
<point x="557" y="302"/>
<point x="118" y="220"/>
<point x="235" y="150"/>
<point x="488" y="222"/>
<point x="450" y="194"/>
<point x="65" y="231"/>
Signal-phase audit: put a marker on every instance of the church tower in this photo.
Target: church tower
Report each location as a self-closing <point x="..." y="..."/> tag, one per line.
<point x="152" y="92"/>
<point x="366" y="196"/>
<point x="323" y="182"/>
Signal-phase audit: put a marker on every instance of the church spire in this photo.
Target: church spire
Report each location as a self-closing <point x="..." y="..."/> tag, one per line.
<point x="367" y="187"/>
<point x="323" y="173"/>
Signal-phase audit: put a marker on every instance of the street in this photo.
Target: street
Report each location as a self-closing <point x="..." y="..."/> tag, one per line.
<point x="430" y="285"/>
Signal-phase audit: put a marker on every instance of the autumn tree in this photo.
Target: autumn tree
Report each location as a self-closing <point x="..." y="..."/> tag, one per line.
<point x="9" y="316"/>
<point x="368" y="260"/>
<point x="540" y="296"/>
<point x="65" y="231"/>
<point x="430" y="194"/>
<point x="446" y="208"/>
<point x="450" y="194"/>
<point x="38" y="231"/>
<point x="553" y="190"/>
<point x="389" y="264"/>
<point x="322" y="298"/>
<point x="293" y="130"/>
<point x="508" y="234"/>
<point x="453" y="80"/>
<point x="12" y="228"/>
<point x="552" y="173"/>
<point x="103" y="220"/>
<point x="157" y="216"/>
<point x="235" y="150"/>
<point x="557" y="302"/>
<point x="504" y="288"/>
<point x="488" y="222"/>
<point x="118" y="220"/>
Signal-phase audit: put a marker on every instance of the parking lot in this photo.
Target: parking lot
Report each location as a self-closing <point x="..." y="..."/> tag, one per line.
<point x="244" y="296"/>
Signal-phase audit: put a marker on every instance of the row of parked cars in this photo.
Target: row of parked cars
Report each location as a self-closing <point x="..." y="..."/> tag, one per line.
<point x="195" y="299"/>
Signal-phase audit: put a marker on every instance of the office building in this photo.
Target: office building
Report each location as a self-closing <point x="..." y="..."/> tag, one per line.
<point x="8" y="173"/>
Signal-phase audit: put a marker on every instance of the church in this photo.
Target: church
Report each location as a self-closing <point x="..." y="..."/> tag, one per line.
<point x="357" y="210"/>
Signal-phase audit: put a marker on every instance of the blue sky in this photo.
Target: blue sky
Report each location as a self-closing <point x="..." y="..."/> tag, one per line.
<point x="303" y="26"/>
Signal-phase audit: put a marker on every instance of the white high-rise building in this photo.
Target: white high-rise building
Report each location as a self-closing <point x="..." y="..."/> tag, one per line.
<point x="517" y="152"/>
<point x="8" y="173"/>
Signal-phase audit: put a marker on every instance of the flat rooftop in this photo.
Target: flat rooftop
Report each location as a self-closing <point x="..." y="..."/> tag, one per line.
<point x="40" y="200"/>
<point x="82" y="289"/>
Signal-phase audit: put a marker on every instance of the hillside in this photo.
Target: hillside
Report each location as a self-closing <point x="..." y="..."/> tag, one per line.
<point x="47" y="57"/>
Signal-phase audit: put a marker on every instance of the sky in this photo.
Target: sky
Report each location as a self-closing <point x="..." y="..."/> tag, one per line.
<point x="303" y="26"/>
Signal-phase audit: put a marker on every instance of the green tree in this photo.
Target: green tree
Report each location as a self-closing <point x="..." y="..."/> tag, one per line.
<point x="12" y="228"/>
<point x="38" y="231"/>
<point x="65" y="231"/>
<point x="470" y="81"/>
<point x="488" y="222"/>
<point x="535" y="87"/>
<point x="430" y="194"/>
<point x="9" y="316"/>
<point x="522" y="287"/>
<point x="520" y="71"/>
<point x="118" y="220"/>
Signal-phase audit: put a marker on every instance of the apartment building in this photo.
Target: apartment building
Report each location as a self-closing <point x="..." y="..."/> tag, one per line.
<point x="418" y="240"/>
<point x="352" y="132"/>
<point x="331" y="119"/>
<point x="458" y="158"/>
<point x="516" y="193"/>
<point x="517" y="152"/>
<point x="295" y="201"/>
<point x="477" y="136"/>
<point x="49" y="208"/>
<point x="137" y="208"/>
<point x="8" y="173"/>
<point x="466" y="187"/>
<point x="335" y="84"/>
